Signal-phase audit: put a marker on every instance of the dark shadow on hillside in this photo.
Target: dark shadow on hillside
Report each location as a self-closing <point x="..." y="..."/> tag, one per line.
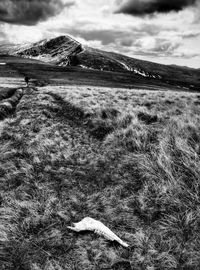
<point x="96" y="127"/>
<point x="68" y="111"/>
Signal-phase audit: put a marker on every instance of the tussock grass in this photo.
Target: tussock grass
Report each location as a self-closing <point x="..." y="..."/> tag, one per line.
<point x="147" y="118"/>
<point x="139" y="178"/>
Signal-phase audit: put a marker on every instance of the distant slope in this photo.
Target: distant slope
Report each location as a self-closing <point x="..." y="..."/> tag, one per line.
<point x="174" y="75"/>
<point x="66" y="51"/>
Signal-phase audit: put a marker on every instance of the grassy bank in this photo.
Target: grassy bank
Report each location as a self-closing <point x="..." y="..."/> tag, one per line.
<point x="127" y="158"/>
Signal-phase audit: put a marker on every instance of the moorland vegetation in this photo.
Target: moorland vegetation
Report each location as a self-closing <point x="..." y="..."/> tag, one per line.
<point x="129" y="158"/>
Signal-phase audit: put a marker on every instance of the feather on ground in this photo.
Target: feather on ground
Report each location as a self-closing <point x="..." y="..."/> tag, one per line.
<point x="90" y="224"/>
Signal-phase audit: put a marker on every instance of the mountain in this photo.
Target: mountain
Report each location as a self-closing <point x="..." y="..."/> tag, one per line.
<point x="56" y="51"/>
<point x="66" y="51"/>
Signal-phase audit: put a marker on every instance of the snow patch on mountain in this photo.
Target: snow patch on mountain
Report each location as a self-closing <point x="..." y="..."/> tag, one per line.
<point x="141" y="72"/>
<point x="82" y="66"/>
<point x="125" y="66"/>
<point x="146" y="74"/>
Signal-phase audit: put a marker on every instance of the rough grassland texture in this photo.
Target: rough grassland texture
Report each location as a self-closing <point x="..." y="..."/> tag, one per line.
<point x="140" y="177"/>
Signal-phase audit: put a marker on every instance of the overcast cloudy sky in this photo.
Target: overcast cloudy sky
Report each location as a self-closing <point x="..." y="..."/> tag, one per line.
<point x="165" y="31"/>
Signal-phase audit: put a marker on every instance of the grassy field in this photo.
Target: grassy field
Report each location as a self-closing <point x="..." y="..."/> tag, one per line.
<point x="129" y="158"/>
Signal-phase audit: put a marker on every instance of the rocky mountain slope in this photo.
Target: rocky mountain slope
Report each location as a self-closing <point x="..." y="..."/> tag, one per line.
<point x="57" y="51"/>
<point x="66" y="51"/>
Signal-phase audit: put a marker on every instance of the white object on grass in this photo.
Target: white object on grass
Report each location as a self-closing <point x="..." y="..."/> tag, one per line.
<point x="90" y="224"/>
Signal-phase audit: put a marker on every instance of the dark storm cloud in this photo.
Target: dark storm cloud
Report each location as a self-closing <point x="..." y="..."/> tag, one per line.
<point x="144" y="7"/>
<point x="29" y="12"/>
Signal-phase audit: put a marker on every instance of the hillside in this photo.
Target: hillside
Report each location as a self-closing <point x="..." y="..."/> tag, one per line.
<point x="65" y="51"/>
<point x="115" y="146"/>
<point x="126" y="157"/>
<point x="15" y="68"/>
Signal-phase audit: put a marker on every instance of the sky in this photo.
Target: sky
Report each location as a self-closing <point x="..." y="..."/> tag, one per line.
<point x="163" y="31"/>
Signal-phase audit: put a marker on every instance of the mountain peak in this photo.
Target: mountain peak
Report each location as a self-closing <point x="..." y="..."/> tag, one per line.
<point x="57" y="50"/>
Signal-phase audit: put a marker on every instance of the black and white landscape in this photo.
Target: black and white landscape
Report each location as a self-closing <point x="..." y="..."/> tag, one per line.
<point x="99" y="118"/>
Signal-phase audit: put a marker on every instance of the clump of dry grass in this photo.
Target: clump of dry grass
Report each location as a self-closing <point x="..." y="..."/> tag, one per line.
<point x="141" y="179"/>
<point x="147" y="118"/>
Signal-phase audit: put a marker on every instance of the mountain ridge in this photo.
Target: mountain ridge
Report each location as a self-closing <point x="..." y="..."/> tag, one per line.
<point x="65" y="51"/>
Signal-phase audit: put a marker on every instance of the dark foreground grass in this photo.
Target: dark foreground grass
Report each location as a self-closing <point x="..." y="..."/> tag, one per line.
<point x="140" y="178"/>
